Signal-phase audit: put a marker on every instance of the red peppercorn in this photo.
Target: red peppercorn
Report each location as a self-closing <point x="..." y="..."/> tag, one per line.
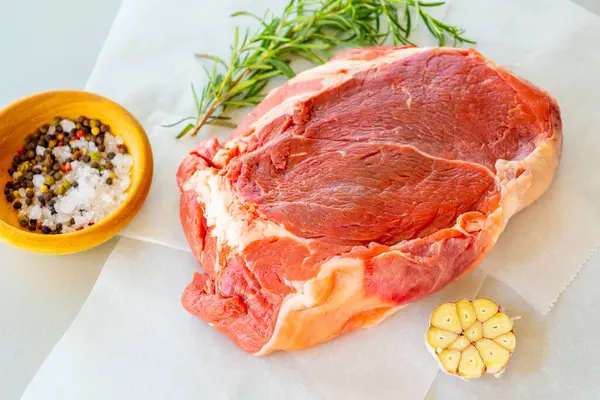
<point x="80" y="134"/>
<point x="66" y="167"/>
<point x="21" y="151"/>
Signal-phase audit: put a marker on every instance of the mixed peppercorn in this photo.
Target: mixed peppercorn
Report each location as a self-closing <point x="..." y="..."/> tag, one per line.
<point x="39" y="175"/>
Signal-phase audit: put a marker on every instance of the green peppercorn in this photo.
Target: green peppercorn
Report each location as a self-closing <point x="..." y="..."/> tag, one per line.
<point x="78" y="126"/>
<point x="60" y="190"/>
<point x="96" y="156"/>
<point x="58" y="176"/>
<point x="95" y="131"/>
<point x="56" y="167"/>
<point x="55" y="121"/>
<point x="44" y="129"/>
<point x="49" y="180"/>
<point x="86" y="122"/>
<point x="66" y="184"/>
<point x="52" y="143"/>
<point x="94" y="123"/>
<point x="89" y="137"/>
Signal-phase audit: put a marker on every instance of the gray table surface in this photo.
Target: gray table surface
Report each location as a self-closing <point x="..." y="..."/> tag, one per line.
<point x="40" y="296"/>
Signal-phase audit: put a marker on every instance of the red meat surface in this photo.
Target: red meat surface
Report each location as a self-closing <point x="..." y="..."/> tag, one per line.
<point x="360" y="186"/>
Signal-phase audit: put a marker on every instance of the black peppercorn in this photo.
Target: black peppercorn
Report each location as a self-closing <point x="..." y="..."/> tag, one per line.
<point x="17" y="205"/>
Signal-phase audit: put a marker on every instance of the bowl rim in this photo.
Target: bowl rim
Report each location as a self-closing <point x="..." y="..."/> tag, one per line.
<point x="132" y="203"/>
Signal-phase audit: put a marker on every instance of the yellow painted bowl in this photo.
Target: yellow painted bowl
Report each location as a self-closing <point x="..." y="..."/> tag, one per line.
<point x="24" y="117"/>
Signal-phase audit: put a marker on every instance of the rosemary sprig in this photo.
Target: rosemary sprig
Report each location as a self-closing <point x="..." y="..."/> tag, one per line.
<point x="308" y="29"/>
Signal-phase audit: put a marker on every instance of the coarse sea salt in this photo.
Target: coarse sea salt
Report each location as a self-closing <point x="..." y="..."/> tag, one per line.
<point x="92" y="198"/>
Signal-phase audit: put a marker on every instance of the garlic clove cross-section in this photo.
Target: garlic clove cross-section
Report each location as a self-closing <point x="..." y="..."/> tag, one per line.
<point x="470" y="338"/>
<point x="445" y="317"/>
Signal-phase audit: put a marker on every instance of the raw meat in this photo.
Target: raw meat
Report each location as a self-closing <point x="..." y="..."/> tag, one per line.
<point x="360" y="186"/>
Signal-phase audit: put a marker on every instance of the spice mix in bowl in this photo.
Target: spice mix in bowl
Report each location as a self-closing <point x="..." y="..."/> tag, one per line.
<point x="74" y="169"/>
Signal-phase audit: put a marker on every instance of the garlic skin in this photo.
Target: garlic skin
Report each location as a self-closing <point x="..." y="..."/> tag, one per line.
<point x="471" y="338"/>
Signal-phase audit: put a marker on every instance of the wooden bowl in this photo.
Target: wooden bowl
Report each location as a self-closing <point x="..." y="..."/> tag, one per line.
<point x="24" y="117"/>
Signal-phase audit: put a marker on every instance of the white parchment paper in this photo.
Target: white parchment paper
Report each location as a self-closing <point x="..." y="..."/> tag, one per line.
<point x="133" y="340"/>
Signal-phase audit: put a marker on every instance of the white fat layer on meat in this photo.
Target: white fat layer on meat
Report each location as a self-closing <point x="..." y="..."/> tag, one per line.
<point x="230" y="222"/>
<point x="325" y="304"/>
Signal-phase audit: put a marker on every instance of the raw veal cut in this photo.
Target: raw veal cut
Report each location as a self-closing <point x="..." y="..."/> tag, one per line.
<point x="360" y="186"/>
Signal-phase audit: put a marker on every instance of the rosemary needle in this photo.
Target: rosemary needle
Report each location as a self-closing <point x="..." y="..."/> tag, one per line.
<point x="308" y="29"/>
